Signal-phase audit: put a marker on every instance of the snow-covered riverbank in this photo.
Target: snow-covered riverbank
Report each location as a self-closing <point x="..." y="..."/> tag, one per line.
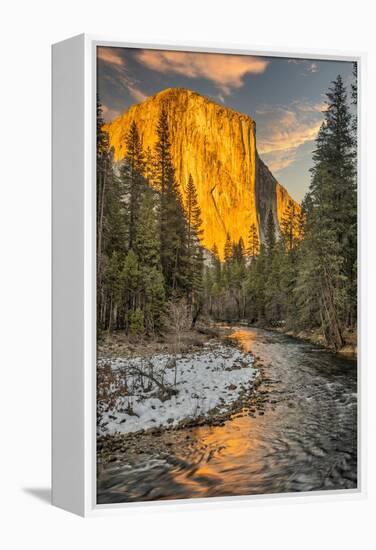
<point x="141" y="393"/>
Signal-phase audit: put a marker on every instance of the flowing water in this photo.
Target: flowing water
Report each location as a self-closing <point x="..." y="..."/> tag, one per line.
<point x="303" y="439"/>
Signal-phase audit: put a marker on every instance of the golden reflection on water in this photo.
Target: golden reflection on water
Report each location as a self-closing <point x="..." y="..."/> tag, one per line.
<point x="227" y="448"/>
<point x="236" y="443"/>
<point x="245" y="338"/>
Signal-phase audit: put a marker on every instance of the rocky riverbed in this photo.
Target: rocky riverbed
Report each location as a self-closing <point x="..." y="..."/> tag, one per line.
<point x="212" y="385"/>
<point x="162" y="390"/>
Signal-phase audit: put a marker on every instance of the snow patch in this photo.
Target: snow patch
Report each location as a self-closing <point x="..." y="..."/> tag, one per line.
<point x="131" y="394"/>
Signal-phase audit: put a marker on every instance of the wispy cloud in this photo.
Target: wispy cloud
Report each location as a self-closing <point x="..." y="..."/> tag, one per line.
<point x="312" y="67"/>
<point x="309" y="107"/>
<point x="109" y="114"/>
<point x="112" y="57"/>
<point x="278" y="160"/>
<point x="225" y="71"/>
<point x="308" y="65"/>
<point x="282" y="130"/>
<point x="136" y="93"/>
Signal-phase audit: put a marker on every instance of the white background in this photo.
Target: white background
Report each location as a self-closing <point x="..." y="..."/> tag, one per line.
<point x="27" y="30"/>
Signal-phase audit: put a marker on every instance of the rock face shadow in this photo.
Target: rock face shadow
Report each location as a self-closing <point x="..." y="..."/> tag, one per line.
<point x="41" y="493"/>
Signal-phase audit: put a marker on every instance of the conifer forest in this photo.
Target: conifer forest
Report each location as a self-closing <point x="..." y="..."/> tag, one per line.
<point x="149" y="232"/>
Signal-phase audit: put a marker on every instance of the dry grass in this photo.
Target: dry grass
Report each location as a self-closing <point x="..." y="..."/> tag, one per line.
<point x="118" y="344"/>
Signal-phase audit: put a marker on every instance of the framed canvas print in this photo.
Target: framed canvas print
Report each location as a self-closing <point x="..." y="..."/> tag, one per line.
<point x="205" y="274"/>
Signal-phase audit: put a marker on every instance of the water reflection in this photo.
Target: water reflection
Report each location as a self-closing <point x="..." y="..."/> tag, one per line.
<point x="303" y="438"/>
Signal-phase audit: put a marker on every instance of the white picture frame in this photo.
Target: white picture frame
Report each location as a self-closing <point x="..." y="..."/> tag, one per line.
<point x="74" y="286"/>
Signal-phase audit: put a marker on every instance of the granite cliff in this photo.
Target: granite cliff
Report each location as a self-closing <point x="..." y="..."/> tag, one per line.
<point x="217" y="146"/>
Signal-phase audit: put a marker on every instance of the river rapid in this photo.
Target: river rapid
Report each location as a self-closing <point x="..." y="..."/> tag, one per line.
<point x="303" y="438"/>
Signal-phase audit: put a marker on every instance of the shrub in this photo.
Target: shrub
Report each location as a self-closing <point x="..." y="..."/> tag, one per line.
<point x="136" y="322"/>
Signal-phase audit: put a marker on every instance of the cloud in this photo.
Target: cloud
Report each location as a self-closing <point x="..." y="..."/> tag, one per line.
<point x="279" y="160"/>
<point x="225" y="71"/>
<point x="123" y="80"/>
<point x="288" y="132"/>
<point x="119" y="75"/>
<point x="111" y="56"/>
<point x="136" y="93"/>
<point x="308" y="107"/>
<point x="283" y="129"/>
<point x="312" y="67"/>
<point x="109" y="114"/>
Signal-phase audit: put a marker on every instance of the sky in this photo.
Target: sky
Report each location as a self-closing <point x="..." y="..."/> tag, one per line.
<point x="285" y="96"/>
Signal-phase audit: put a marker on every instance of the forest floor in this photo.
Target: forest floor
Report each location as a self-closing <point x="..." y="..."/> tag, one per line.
<point x="118" y="344"/>
<point x="144" y="389"/>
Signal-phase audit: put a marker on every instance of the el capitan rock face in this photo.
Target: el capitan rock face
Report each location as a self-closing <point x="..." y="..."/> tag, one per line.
<point x="217" y="146"/>
<point x="270" y="195"/>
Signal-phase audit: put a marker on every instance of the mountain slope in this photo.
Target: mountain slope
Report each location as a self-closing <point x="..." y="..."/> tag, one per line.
<point x="217" y="146"/>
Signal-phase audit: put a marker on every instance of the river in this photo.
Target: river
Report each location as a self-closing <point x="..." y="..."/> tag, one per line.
<point x="304" y="438"/>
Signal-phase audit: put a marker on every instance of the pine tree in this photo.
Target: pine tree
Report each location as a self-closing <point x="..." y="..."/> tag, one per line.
<point x="147" y="238"/>
<point x="228" y="249"/>
<point x="115" y="228"/>
<point x="238" y="251"/>
<point x="130" y="284"/>
<point x="253" y="242"/>
<point x="290" y="225"/>
<point x="215" y="251"/>
<point x="216" y="263"/>
<point x="334" y="155"/>
<point x="149" y="167"/>
<point x="320" y="289"/>
<point x="194" y="250"/>
<point x="260" y="272"/>
<point x="193" y="213"/>
<point x="110" y="223"/>
<point x="333" y="185"/>
<point x="103" y="174"/>
<point x="273" y="289"/>
<point x="131" y="173"/>
<point x="354" y="99"/>
<point x="233" y="279"/>
<point x="173" y="227"/>
<point x="154" y="299"/>
<point x="113" y="289"/>
<point x="325" y="289"/>
<point x="288" y="273"/>
<point x="270" y="236"/>
<point x="352" y="260"/>
<point x="147" y="246"/>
